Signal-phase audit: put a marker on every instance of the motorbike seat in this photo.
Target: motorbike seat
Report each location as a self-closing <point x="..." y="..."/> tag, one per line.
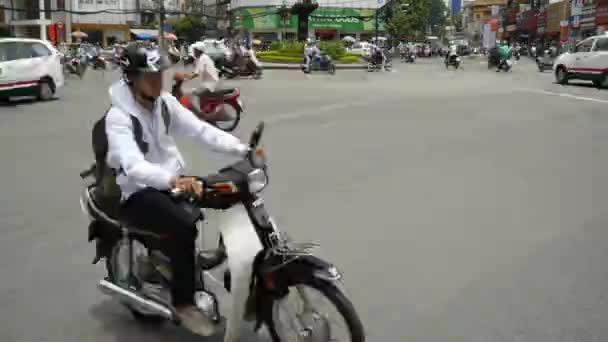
<point x="219" y="93"/>
<point x="109" y="213"/>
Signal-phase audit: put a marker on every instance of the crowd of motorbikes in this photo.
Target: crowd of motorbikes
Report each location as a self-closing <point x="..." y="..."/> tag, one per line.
<point x="76" y="58"/>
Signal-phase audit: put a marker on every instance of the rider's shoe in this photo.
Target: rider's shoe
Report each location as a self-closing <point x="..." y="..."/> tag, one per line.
<point x="194" y="320"/>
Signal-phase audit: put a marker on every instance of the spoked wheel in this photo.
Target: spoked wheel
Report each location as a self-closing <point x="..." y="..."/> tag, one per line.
<point x="331" y="69"/>
<point x="118" y="273"/>
<point x="230" y="118"/>
<point x="315" y="312"/>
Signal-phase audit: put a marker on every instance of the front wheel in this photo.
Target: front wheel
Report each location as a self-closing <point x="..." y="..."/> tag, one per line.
<point x="306" y="321"/>
<point x="228" y="117"/>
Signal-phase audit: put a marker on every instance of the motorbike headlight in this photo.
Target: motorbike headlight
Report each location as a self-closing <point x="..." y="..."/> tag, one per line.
<point x="257" y="180"/>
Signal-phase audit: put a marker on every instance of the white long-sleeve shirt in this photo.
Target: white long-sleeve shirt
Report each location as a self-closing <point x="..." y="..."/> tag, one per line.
<point x="163" y="160"/>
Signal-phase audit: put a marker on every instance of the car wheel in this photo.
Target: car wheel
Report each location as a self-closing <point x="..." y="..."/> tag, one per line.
<point x="561" y="75"/>
<point x="46" y="89"/>
<point x="600" y="82"/>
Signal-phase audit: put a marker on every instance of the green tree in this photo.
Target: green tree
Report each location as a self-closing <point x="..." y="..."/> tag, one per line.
<point x="456" y="21"/>
<point x="190" y="28"/>
<point x="438" y="17"/>
<point x="410" y="18"/>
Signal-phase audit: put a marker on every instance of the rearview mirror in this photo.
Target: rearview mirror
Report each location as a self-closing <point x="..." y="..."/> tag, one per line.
<point x="256" y="136"/>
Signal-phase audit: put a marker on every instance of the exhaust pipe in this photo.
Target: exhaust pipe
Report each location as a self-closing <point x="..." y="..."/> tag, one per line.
<point x="136" y="300"/>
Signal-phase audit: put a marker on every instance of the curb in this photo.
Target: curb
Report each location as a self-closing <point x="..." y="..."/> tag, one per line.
<point x="283" y="66"/>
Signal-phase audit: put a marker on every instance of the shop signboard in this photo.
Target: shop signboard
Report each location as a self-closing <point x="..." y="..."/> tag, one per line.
<point x="601" y="12"/>
<point x="554" y="16"/>
<point x="344" y="19"/>
<point x="341" y="19"/>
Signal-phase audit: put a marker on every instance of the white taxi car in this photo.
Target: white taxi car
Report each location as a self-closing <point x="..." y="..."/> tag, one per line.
<point x="588" y="61"/>
<point x="29" y="67"/>
<point x="361" y="48"/>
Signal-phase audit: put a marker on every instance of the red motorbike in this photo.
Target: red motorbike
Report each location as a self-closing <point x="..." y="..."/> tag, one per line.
<point x="222" y="108"/>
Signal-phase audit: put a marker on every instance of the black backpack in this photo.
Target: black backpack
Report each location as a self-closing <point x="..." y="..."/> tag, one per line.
<point x="107" y="193"/>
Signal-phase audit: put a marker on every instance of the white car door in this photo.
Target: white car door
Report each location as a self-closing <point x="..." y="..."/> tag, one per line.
<point x="580" y="58"/>
<point x="598" y="58"/>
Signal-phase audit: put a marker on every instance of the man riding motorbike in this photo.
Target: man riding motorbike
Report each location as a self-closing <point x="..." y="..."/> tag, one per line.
<point x="451" y="56"/>
<point x="504" y="53"/>
<point x="145" y="176"/>
<point x="311" y="51"/>
<point x="377" y="54"/>
<point x="205" y="69"/>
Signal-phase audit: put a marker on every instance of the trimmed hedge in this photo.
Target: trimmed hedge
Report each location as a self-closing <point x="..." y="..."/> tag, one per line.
<point x="296" y="48"/>
<point x="293" y="57"/>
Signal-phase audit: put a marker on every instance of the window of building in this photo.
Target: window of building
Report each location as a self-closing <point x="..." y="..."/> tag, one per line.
<point x="60" y="4"/>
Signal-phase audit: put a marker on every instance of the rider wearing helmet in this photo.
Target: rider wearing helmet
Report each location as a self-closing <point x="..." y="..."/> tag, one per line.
<point x="310" y="52"/>
<point x="204" y="67"/>
<point x="147" y="173"/>
<point x="504" y="53"/>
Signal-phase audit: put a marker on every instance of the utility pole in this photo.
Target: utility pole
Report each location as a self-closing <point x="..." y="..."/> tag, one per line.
<point x="161" y="27"/>
<point x="377" y="13"/>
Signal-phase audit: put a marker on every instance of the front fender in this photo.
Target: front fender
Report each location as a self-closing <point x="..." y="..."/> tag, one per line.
<point x="273" y="282"/>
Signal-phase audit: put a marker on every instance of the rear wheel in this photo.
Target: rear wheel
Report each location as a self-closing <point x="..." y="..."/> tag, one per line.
<point x="331" y="69"/>
<point x="305" y="321"/>
<point x="600" y="82"/>
<point x="561" y="75"/>
<point x="117" y="267"/>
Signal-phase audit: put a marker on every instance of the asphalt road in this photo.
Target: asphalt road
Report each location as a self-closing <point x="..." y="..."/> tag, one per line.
<point x="462" y="206"/>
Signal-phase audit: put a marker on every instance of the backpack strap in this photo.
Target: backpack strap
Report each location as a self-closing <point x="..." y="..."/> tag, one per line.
<point x="138" y="135"/>
<point x="164" y="112"/>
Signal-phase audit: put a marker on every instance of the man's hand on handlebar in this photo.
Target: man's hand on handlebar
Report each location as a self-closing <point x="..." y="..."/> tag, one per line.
<point x="187" y="184"/>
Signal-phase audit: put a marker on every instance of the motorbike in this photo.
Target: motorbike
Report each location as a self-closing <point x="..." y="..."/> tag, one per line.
<point x="517" y="55"/>
<point x="493" y="59"/>
<point x="243" y="67"/>
<point x="99" y="63"/>
<point x="219" y="104"/>
<point x="264" y="268"/>
<point x="376" y="64"/>
<point x="545" y="61"/>
<point x="319" y="63"/>
<point x="75" y="65"/>
<point x="505" y="65"/>
<point x="408" y="57"/>
<point x="454" y="61"/>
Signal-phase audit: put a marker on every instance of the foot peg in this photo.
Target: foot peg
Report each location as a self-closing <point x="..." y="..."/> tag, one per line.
<point x="209" y="259"/>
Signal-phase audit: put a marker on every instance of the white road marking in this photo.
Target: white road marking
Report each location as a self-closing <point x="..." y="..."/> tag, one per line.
<point x="576" y="97"/>
<point x="319" y="111"/>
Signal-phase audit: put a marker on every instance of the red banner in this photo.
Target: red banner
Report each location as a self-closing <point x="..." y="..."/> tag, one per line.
<point x="494" y="24"/>
<point x="530" y="20"/>
<point x="563" y="30"/>
<point x="52" y="36"/>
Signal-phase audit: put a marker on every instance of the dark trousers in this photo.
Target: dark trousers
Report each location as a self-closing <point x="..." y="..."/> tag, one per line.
<point x="155" y="211"/>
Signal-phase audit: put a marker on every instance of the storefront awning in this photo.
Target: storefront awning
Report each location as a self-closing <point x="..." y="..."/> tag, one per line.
<point x="144" y="33"/>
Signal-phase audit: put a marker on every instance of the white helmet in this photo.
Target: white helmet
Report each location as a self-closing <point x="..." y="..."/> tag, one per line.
<point x="200" y="46"/>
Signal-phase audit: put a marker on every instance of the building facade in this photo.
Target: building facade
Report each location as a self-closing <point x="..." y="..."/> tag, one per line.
<point x="331" y="21"/>
<point x="455" y="6"/>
